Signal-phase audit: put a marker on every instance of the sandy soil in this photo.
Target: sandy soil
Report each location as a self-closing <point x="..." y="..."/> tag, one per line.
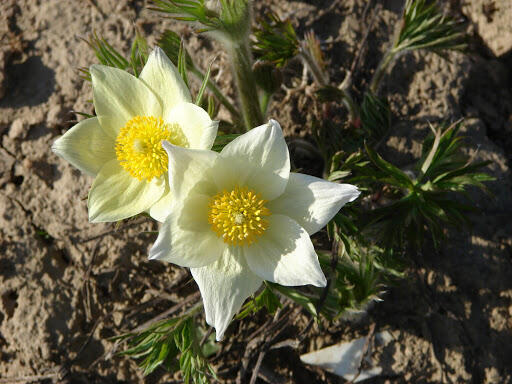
<point x="66" y="286"/>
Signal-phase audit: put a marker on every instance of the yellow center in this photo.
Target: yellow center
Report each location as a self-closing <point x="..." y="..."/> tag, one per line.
<point x="238" y="216"/>
<point x="139" y="146"/>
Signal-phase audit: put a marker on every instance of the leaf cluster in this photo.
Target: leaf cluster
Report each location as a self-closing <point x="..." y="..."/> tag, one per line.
<point x="375" y="116"/>
<point x="424" y="26"/>
<point x="108" y="55"/>
<point x="171" y="343"/>
<point x="423" y="201"/>
<point x="231" y="17"/>
<point x="266" y="299"/>
<point x="274" y="40"/>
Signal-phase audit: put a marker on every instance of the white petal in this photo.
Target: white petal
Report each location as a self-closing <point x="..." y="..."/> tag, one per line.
<point x="115" y="195"/>
<point x="86" y="146"/>
<point x="285" y="254"/>
<point x="162" y="208"/>
<point x="163" y="78"/>
<point x="188" y="169"/>
<point x="186" y="237"/>
<point x="311" y="201"/>
<point x="119" y="96"/>
<point x="195" y="123"/>
<point x="224" y="286"/>
<point x="261" y="156"/>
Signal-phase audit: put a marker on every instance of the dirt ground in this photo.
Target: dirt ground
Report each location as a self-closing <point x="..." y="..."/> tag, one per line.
<point x="66" y="286"/>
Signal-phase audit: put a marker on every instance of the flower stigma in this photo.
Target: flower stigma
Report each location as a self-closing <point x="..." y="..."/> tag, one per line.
<point x="139" y="146"/>
<point x="238" y="216"/>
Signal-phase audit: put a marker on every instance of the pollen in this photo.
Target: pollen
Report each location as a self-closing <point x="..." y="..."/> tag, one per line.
<point x="139" y="146"/>
<point x="238" y="216"/>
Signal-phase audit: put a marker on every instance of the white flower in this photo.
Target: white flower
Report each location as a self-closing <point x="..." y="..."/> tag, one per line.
<point x="240" y="217"/>
<point x="121" y="146"/>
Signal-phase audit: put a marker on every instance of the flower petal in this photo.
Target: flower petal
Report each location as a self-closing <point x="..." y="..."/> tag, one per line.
<point x="285" y="255"/>
<point x="261" y="157"/>
<point x="195" y="123"/>
<point x="186" y="238"/>
<point x="190" y="168"/>
<point x="163" y="78"/>
<point x="115" y="195"/>
<point x="162" y="208"/>
<point x="311" y="201"/>
<point x="119" y="96"/>
<point x="86" y="146"/>
<point x="224" y="286"/>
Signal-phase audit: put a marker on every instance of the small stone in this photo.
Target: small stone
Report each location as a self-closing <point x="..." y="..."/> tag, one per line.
<point x="54" y="117"/>
<point x="27" y="163"/>
<point x="18" y="129"/>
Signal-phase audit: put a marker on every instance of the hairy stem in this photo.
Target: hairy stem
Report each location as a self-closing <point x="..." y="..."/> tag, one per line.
<point x="241" y="59"/>
<point x="313" y="67"/>
<point x="381" y="70"/>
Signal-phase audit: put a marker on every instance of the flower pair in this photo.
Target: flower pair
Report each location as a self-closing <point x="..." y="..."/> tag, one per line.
<point x="235" y="218"/>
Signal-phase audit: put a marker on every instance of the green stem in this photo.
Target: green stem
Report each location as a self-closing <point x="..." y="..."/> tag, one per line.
<point x="351" y="106"/>
<point x="241" y="59"/>
<point x="218" y="94"/>
<point x="381" y="70"/>
<point x="264" y="100"/>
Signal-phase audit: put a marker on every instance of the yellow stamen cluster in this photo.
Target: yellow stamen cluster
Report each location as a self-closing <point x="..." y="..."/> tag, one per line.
<point x="139" y="146"/>
<point x="238" y="216"/>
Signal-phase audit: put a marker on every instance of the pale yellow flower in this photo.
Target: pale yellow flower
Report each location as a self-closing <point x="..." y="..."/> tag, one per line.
<point x="121" y="147"/>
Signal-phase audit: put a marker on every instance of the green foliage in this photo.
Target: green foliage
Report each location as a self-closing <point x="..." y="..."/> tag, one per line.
<point x="375" y="116"/>
<point x="182" y="64"/>
<point x="171" y="44"/>
<point x="275" y="40"/>
<point x="356" y="281"/>
<point x="305" y="299"/>
<point x="231" y="18"/>
<point x="425" y="27"/>
<point x="268" y="77"/>
<point x="204" y="83"/>
<point x="189" y="10"/>
<point x="444" y="166"/>
<point x="108" y="55"/>
<point x="425" y="202"/>
<point x="171" y="343"/>
<point x="266" y="299"/>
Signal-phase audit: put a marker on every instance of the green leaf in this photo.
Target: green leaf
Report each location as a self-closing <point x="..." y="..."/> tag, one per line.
<point x="296" y="296"/>
<point x="206" y="78"/>
<point x="171" y="44"/>
<point x="396" y="176"/>
<point x="182" y="64"/>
